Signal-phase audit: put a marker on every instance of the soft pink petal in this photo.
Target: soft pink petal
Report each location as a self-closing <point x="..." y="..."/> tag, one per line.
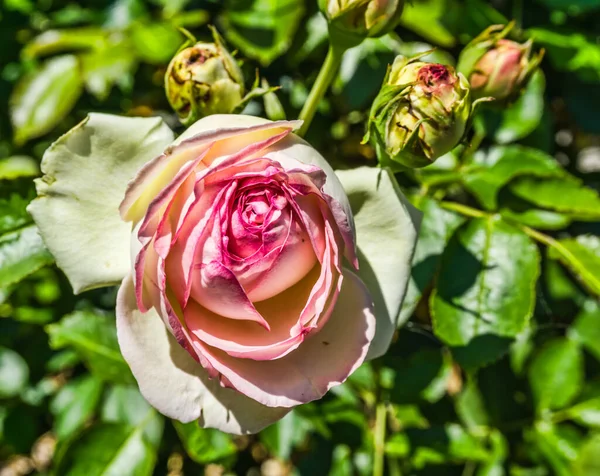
<point x="174" y="383"/>
<point x="154" y="176"/>
<point x="325" y="359"/>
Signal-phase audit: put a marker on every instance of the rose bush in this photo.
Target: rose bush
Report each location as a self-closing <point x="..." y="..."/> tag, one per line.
<point x="236" y="303"/>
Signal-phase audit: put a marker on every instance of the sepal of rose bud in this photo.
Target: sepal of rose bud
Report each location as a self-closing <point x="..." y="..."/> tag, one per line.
<point x="496" y="66"/>
<point x="421" y="112"/>
<point x="204" y="79"/>
<point x="351" y="21"/>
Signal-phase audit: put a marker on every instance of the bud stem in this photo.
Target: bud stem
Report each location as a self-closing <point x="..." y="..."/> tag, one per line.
<point x="326" y="74"/>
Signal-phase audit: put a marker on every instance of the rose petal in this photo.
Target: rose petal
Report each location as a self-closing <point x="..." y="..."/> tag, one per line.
<point x="174" y="383"/>
<point x="227" y="139"/>
<point x="387" y="228"/>
<point x="85" y="175"/>
<point x="325" y="358"/>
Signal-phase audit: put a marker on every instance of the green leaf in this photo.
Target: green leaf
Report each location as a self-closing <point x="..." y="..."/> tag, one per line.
<point x="21" y="253"/>
<point x="205" y="445"/>
<point x="582" y="256"/>
<point x="518" y="120"/>
<point x="565" y="195"/>
<point x="341" y="464"/>
<point x="426" y="18"/>
<point x="13" y="213"/>
<point x="448" y="444"/>
<point x="486" y="283"/>
<point x="74" y="405"/>
<point x="488" y="173"/>
<point x="573" y="7"/>
<point x="14" y="373"/>
<point x="470" y="406"/>
<point x="42" y="99"/>
<point x="570" y="50"/>
<point x="556" y="374"/>
<point x="586" y="328"/>
<point x="125" y="404"/>
<point x="282" y="437"/>
<point x="94" y="337"/>
<point x="155" y="43"/>
<point x="52" y="42"/>
<point x="262" y="29"/>
<point x="422" y="377"/>
<point x="535" y="217"/>
<point x="586" y="413"/>
<point x="18" y="166"/>
<point x="559" y="444"/>
<point x="104" y="68"/>
<point x="110" y="449"/>
<point x="588" y="461"/>
<point x="481" y="351"/>
<point x="437" y="227"/>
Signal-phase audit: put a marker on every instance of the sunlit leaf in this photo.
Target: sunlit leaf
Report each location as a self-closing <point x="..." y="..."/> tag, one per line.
<point x="43" y="98"/>
<point x="94" y="337"/>
<point x="486" y="283"/>
<point x="21" y="253"/>
<point x="556" y="374"/>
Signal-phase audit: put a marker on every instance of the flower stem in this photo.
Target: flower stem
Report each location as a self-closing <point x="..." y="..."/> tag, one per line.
<point x="326" y="75"/>
<point x="379" y="443"/>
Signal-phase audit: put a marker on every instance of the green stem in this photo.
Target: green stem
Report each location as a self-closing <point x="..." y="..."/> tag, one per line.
<point x="326" y="75"/>
<point x="463" y="209"/>
<point x="380" y="424"/>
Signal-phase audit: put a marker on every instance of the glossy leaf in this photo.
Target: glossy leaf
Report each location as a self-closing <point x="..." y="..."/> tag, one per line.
<point x="556" y="374"/>
<point x="488" y="173"/>
<point x="110" y="449"/>
<point x="14" y="373"/>
<point x="262" y="29"/>
<point x="437" y="227"/>
<point x="21" y="253"/>
<point x="18" y="166"/>
<point x="94" y="337"/>
<point x="494" y="291"/>
<point x="586" y="328"/>
<point x="582" y="256"/>
<point x="570" y="50"/>
<point x="519" y="119"/>
<point x="74" y="405"/>
<point x="204" y="445"/>
<point x="43" y="99"/>
<point x="125" y="404"/>
<point x="13" y="213"/>
<point x="565" y="195"/>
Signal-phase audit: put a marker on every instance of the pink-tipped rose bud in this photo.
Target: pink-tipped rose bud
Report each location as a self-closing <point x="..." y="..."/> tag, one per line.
<point x="351" y="21"/>
<point x="497" y="67"/>
<point x="420" y="113"/>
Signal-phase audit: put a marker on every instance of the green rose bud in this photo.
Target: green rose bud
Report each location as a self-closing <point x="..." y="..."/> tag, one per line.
<point x="351" y="21"/>
<point x="203" y="79"/>
<point x="420" y="113"/>
<point x="498" y="67"/>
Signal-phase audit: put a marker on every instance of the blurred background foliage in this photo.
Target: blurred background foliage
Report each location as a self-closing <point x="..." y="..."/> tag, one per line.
<point x="496" y="367"/>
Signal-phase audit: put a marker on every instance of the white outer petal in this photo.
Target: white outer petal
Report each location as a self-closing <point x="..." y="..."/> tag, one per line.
<point x="387" y="228"/>
<point x="174" y="383"/>
<point x="86" y="172"/>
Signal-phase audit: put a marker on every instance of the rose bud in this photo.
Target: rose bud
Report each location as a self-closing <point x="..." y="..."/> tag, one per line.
<point x="351" y="21"/>
<point x="204" y="79"/>
<point x="235" y="246"/>
<point x="497" y="67"/>
<point x="420" y="113"/>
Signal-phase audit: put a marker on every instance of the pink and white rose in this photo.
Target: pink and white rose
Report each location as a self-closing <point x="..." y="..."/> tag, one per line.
<point x="236" y="247"/>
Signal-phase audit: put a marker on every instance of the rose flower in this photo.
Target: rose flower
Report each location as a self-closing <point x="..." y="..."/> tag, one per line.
<point x="236" y="247"/>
